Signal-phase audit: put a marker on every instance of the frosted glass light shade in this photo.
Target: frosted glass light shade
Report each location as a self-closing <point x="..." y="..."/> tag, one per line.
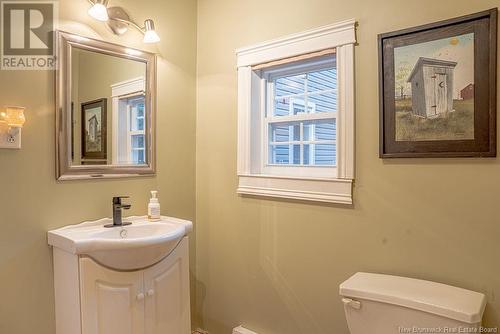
<point x="151" y="37"/>
<point x="99" y="11"/>
<point x="3" y="116"/>
<point x="14" y="116"/>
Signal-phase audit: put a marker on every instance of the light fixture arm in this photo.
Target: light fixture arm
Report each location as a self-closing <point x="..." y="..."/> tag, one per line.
<point x="119" y="21"/>
<point x="128" y="22"/>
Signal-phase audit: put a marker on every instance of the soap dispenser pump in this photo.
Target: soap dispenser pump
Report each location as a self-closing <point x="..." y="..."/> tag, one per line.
<point x="154" y="207"/>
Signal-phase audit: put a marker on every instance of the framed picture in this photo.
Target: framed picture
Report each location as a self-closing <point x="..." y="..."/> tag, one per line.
<point x="94" y="129"/>
<point x="437" y="86"/>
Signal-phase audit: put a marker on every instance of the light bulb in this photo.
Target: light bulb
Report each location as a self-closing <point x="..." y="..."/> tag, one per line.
<point x="14" y="116"/>
<point x="99" y="11"/>
<point x="150" y="35"/>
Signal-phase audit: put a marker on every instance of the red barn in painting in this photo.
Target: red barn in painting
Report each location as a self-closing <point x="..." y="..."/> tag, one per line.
<point x="468" y="92"/>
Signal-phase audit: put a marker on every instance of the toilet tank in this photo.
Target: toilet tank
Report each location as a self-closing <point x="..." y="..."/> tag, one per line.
<point x="385" y="304"/>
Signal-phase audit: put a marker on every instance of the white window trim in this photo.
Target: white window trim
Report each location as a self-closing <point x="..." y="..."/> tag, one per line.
<point x="252" y="181"/>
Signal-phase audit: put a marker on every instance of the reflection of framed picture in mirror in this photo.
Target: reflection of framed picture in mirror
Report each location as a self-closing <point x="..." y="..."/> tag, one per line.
<point x="94" y="130"/>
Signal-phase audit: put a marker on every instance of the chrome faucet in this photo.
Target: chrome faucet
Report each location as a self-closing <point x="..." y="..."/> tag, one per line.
<point x="117" y="212"/>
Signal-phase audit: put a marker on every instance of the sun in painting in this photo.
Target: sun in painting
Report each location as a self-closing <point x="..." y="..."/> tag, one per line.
<point x="454" y="41"/>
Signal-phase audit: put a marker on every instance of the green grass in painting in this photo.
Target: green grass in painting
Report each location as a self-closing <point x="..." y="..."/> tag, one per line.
<point x="457" y="125"/>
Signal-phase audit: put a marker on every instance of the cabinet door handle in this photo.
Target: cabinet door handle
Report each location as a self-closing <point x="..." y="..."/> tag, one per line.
<point x="140" y="296"/>
<point x="151" y="292"/>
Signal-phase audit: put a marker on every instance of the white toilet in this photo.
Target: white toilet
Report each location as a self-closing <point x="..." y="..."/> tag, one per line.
<point x="384" y="304"/>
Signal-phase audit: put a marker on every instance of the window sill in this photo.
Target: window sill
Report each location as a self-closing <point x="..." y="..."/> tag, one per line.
<point x="330" y="190"/>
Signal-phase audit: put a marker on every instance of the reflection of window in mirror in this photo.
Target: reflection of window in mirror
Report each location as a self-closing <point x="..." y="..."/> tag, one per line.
<point x="129" y="122"/>
<point x="133" y="146"/>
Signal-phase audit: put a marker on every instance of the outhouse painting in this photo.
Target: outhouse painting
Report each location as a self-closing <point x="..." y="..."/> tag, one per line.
<point x="93" y="129"/>
<point x="433" y="82"/>
<point x="432" y="87"/>
<point x="92" y="126"/>
<point x="93" y="138"/>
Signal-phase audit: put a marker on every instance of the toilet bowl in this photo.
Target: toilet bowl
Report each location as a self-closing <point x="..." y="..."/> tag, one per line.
<point x="385" y="304"/>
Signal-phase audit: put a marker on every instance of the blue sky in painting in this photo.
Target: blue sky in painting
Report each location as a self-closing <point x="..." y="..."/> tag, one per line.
<point x="459" y="49"/>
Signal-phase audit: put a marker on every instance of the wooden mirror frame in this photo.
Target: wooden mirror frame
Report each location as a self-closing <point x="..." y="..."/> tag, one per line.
<point x="65" y="170"/>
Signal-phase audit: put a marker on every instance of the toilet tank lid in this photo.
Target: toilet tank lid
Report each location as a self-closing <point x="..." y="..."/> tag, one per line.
<point x="440" y="299"/>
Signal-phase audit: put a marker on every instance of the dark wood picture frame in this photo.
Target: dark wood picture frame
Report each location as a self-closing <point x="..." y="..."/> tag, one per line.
<point x="102" y="154"/>
<point x="484" y="27"/>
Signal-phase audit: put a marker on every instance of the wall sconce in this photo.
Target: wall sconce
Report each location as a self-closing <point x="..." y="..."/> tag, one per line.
<point x="12" y="120"/>
<point x="119" y="21"/>
<point x="99" y="10"/>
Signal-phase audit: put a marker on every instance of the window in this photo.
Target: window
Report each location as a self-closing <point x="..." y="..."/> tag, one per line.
<point x="134" y="112"/>
<point x="129" y="122"/>
<point x="298" y="137"/>
<point x="296" y="116"/>
<point x="130" y="130"/>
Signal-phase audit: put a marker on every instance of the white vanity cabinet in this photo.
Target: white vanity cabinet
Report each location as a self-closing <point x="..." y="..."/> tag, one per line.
<point x="93" y="299"/>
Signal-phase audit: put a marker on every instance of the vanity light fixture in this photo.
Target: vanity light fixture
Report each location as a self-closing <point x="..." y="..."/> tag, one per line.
<point x="99" y="10"/>
<point x="150" y="35"/>
<point x="12" y="120"/>
<point x="119" y="21"/>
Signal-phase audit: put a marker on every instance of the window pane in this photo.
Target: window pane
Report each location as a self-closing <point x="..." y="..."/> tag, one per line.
<point x="296" y="132"/>
<point x="317" y="89"/>
<point x="279" y="154"/>
<point x="315" y="146"/>
<point x="137" y="141"/>
<point x="298" y="106"/>
<point x="280" y="133"/>
<point x="290" y="85"/>
<point x="324" y="102"/>
<point x="322" y="80"/>
<point x="307" y="155"/>
<point x="285" y="132"/>
<point x="325" y="154"/>
<point x="296" y="154"/>
<point x="137" y="114"/>
<point x="320" y="130"/>
<point x="325" y="131"/>
<point x="281" y="106"/>
<point x="138" y="156"/>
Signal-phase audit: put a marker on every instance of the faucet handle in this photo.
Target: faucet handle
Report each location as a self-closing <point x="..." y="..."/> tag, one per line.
<point x="118" y="199"/>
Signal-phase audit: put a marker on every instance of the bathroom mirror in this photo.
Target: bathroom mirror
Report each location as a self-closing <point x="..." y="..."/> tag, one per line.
<point x="105" y="109"/>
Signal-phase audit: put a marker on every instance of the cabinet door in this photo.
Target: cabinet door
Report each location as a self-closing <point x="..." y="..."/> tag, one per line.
<point x="167" y="294"/>
<point x="112" y="301"/>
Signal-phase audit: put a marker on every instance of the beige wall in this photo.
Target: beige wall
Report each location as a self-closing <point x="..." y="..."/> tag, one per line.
<point x="274" y="265"/>
<point x="32" y="202"/>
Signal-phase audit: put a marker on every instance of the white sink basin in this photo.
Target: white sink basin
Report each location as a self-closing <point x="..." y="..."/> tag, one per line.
<point x="130" y="247"/>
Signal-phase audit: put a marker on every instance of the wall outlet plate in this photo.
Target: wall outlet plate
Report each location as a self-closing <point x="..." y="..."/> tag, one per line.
<point x="10" y="139"/>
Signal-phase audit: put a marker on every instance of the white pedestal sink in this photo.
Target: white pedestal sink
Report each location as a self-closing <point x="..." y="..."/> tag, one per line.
<point x="130" y="247"/>
<point x="131" y="279"/>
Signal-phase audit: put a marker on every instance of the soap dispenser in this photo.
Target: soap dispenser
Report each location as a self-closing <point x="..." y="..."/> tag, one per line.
<point x="154" y="207"/>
